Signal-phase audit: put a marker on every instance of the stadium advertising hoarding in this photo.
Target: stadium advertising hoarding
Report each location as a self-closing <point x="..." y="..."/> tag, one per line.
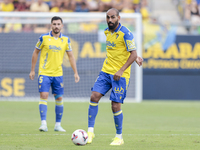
<point x="172" y="73"/>
<point x="184" y="54"/>
<point x="15" y="64"/>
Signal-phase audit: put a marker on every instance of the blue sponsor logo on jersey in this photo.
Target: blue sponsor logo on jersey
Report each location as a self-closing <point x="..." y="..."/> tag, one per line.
<point x="54" y="48"/>
<point x="109" y="44"/>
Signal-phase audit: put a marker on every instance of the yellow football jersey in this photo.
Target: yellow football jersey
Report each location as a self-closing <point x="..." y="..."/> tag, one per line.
<point x="52" y="53"/>
<point x="118" y="47"/>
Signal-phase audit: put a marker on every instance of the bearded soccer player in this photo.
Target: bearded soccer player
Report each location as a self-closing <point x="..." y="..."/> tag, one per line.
<point x="52" y="46"/>
<point x="115" y="73"/>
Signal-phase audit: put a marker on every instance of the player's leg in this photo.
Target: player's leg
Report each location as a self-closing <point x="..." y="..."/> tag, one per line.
<point x="44" y="86"/>
<point x="43" y="110"/>
<point x="92" y="113"/>
<point x="118" y="119"/>
<point x="57" y="90"/>
<point x="117" y="97"/>
<point x="100" y="88"/>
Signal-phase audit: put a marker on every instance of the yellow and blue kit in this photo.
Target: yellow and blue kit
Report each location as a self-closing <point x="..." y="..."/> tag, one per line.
<point x="52" y="53"/>
<point x="118" y="47"/>
<point x="119" y="44"/>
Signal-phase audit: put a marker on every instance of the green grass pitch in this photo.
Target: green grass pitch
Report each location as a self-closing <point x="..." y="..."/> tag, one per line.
<point x="150" y="125"/>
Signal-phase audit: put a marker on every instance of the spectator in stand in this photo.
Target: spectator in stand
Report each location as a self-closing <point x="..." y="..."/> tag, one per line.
<point x="82" y="6"/>
<point x="127" y="6"/>
<point x="194" y="13"/>
<point x="21" y="5"/>
<point x="48" y="2"/>
<point x="191" y="12"/>
<point x="67" y="6"/>
<point x="7" y="5"/>
<point x="39" y="6"/>
<point x="144" y="10"/>
<point x="93" y="5"/>
<point x="105" y="5"/>
<point x="56" y="5"/>
<point x="136" y="5"/>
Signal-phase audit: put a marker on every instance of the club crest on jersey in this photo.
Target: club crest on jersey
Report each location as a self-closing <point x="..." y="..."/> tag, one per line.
<point x="117" y="35"/>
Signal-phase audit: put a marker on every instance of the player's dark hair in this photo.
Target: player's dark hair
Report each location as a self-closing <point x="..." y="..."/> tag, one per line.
<point x="56" y="18"/>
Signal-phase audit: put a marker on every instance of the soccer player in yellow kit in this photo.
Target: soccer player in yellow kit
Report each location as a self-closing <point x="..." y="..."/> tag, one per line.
<point x="115" y="73"/>
<point x="53" y="46"/>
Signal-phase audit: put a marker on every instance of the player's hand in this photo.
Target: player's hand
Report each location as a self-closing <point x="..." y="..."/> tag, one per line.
<point x="32" y="75"/>
<point x="139" y="60"/>
<point x="76" y="77"/>
<point x="117" y="75"/>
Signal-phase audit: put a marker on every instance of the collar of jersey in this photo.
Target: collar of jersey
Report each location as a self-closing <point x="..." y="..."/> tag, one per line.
<point x="50" y="33"/>
<point x="116" y="30"/>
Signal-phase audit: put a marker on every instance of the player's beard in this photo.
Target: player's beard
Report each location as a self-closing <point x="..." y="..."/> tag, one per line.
<point x="114" y="25"/>
<point x="56" y="31"/>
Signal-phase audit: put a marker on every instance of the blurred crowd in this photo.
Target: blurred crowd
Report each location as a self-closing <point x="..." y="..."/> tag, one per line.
<point x="125" y="6"/>
<point x="189" y="11"/>
<point x="71" y="5"/>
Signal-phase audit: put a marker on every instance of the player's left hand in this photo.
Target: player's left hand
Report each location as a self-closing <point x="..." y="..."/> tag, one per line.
<point x="117" y="75"/>
<point x="76" y="77"/>
<point x="139" y="60"/>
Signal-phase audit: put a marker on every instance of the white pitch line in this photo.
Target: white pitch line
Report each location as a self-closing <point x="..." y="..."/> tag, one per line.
<point x="109" y="134"/>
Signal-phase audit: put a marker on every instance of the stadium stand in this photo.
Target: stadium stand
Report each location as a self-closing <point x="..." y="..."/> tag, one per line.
<point x="125" y="6"/>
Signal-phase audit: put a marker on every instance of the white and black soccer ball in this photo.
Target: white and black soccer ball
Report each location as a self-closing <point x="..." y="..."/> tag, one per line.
<point x="79" y="137"/>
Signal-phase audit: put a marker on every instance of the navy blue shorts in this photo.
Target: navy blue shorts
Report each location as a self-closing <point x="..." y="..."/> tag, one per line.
<point x="56" y="83"/>
<point x="105" y="82"/>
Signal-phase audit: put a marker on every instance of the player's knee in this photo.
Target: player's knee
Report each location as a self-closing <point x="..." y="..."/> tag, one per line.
<point x="116" y="107"/>
<point x="95" y="97"/>
<point x="44" y="95"/>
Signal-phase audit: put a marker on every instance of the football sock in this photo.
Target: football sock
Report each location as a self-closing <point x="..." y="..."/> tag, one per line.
<point x="91" y="129"/>
<point x="44" y="122"/>
<point x="118" y="118"/>
<point x="43" y="108"/>
<point x="59" y="110"/>
<point x="119" y="136"/>
<point x="57" y="124"/>
<point x="92" y="112"/>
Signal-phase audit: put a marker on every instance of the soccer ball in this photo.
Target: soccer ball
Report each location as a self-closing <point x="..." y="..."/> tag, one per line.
<point x="79" y="137"/>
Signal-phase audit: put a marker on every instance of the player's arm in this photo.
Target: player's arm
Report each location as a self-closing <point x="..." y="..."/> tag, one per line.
<point x="131" y="59"/>
<point x="73" y="65"/>
<point x="34" y="61"/>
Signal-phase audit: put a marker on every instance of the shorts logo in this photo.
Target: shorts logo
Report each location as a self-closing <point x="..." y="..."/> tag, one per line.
<point x="39" y="86"/>
<point x="119" y="91"/>
<point x="61" y="84"/>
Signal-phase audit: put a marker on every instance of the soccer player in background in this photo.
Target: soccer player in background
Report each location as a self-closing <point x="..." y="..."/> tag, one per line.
<point x="115" y="73"/>
<point x="53" y="46"/>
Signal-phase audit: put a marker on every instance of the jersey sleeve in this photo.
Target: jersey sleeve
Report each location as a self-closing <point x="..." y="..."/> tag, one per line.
<point x="39" y="44"/>
<point x="69" y="47"/>
<point x="129" y="41"/>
